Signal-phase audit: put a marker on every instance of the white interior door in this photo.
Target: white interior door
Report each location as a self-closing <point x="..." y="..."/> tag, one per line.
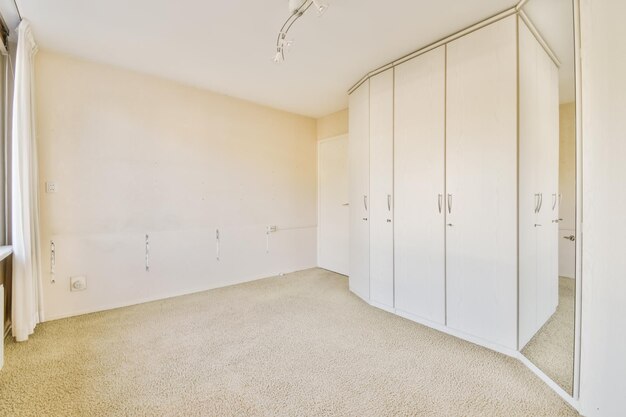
<point x="419" y="181"/>
<point x="358" y="161"/>
<point x="334" y="214"/>
<point x="481" y="181"/>
<point x="567" y="253"/>
<point x="381" y="189"/>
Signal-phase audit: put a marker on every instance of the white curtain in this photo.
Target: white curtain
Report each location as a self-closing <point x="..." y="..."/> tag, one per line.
<point x="27" y="292"/>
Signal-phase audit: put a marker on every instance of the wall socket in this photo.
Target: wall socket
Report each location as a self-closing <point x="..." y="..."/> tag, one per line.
<point x="51" y="187"/>
<point x="78" y="283"/>
<point x="272" y="229"/>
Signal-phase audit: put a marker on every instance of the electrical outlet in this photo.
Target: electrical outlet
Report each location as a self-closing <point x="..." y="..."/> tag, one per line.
<point x="51" y="187"/>
<point x="272" y="229"/>
<point x="78" y="283"/>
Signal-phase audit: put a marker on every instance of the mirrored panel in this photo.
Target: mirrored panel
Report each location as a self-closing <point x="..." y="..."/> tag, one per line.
<point x="547" y="189"/>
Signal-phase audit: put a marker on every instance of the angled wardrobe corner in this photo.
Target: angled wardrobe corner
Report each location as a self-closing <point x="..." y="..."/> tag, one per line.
<point x="448" y="228"/>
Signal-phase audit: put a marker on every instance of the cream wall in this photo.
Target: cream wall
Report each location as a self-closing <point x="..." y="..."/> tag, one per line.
<point x="603" y="335"/>
<point x="133" y="155"/>
<point x="334" y="124"/>
<point x="567" y="165"/>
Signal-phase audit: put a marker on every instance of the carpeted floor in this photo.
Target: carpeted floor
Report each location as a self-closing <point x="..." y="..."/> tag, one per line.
<point x="552" y="348"/>
<point x="297" y="345"/>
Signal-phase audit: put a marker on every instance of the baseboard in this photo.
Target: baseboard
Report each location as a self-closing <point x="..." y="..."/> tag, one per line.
<point x="458" y="334"/>
<point x="383" y="307"/>
<point x="366" y="299"/>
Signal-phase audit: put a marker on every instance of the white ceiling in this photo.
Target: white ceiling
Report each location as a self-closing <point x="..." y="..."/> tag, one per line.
<point x="227" y="45"/>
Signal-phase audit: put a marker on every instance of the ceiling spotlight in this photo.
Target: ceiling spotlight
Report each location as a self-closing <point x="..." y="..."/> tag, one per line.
<point x="320" y="6"/>
<point x="279" y="57"/>
<point x="297" y="8"/>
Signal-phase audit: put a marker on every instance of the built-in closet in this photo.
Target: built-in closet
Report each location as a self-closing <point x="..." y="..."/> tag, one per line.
<point x="443" y="214"/>
<point x="381" y="189"/>
<point x="359" y="171"/>
<point x="419" y="184"/>
<point x="538" y="187"/>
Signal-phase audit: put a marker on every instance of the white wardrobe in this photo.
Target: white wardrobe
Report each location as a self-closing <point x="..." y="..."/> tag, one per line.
<point x="419" y="184"/>
<point x="436" y="151"/>
<point x="538" y="187"/>
<point x="359" y="167"/>
<point x="381" y="190"/>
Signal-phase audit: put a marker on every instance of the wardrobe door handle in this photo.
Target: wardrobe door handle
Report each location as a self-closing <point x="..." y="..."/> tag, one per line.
<point x="365" y="202"/>
<point x="540" y="202"/>
<point x="439" y="201"/>
<point x="388" y="202"/>
<point x="449" y="203"/>
<point x="536" y="203"/>
<point x="554" y="200"/>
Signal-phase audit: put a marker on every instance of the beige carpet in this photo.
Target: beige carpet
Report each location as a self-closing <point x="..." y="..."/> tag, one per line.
<point x="552" y="348"/>
<point x="298" y="345"/>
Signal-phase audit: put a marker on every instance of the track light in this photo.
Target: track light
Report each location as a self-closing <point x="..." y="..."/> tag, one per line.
<point x="297" y="8"/>
<point x="279" y="57"/>
<point x="320" y="6"/>
<point x="294" y="5"/>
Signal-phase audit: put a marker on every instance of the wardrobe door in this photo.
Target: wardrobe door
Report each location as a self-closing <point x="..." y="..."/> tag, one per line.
<point x="419" y="148"/>
<point x="538" y="183"/>
<point x="358" y="156"/>
<point x="481" y="182"/>
<point x="381" y="189"/>
<point x="530" y="192"/>
<point x="548" y="105"/>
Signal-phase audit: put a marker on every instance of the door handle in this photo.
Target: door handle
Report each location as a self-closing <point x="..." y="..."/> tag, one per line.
<point x="540" y="202"/>
<point x="536" y="202"/>
<point x="345" y="204"/>
<point x="365" y="202"/>
<point x="388" y="202"/>
<point x="439" y="201"/>
<point x="450" y="204"/>
<point x="570" y="237"/>
<point x="554" y="200"/>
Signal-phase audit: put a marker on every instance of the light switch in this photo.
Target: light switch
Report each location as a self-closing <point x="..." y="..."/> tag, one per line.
<point x="51" y="187"/>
